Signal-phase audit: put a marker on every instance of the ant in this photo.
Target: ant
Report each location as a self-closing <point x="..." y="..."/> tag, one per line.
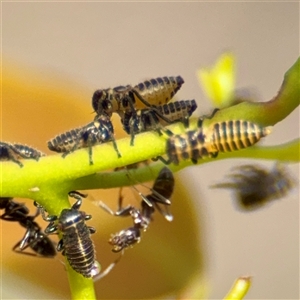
<point x="162" y="190"/>
<point x="34" y="238"/>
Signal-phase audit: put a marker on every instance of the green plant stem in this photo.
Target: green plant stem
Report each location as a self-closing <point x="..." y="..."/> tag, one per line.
<point x="49" y="180"/>
<point x="288" y="152"/>
<point x="239" y="289"/>
<point x="81" y="287"/>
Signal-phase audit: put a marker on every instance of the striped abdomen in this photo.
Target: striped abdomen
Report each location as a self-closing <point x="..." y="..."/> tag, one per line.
<point x="157" y="91"/>
<point x="190" y="145"/>
<point x="155" y="117"/>
<point x="15" y="152"/>
<point x="66" y="141"/>
<point x="78" y="246"/>
<point x="28" y="152"/>
<point x="235" y="135"/>
<point x="177" y="110"/>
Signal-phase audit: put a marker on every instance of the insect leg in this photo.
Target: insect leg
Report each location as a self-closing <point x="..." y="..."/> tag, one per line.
<point x="108" y="269"/>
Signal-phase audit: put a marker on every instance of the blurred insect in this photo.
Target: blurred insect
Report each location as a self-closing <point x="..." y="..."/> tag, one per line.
<point x="76" y="243"/>
<point x="255" y="186"/>
<point x="97" y="132"/>
<point x="34" y="238"/>
<point x="162" y="190"/>
<point x="15" y="152"/>
<point x="156" y="91"/>
<point x="219" y="137"/>
<point x="157" y="116"/>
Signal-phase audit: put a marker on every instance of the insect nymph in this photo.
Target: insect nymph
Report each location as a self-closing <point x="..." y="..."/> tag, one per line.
<point x="156" y="117"/>
<point x="161" y="191"/>
<point x="97" y="132"/>
<point x="15" y="152"/>
<point x="219" y="137"/>
<point x="156" y="91"/>
<point x="76" y="243"/>
<point x="34" y="238"/>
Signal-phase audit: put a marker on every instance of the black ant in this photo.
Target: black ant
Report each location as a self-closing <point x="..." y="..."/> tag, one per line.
<point x="34" y="238"/>
<point x="162" y="190"/>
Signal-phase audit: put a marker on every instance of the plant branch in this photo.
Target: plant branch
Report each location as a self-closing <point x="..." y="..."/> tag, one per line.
<point x="49" y="180"/>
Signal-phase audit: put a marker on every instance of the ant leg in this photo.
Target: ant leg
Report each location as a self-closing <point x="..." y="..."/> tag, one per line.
<point x="160" y="198"/>
<point x="145" y="199"/>
<point x="24" y="240"/>
<point x="168" y="216"/>
<point x="120" y="199"/>
<point x="120" y="212"/>
<point x="108" y="269"/>
<point x="17" y="248"/>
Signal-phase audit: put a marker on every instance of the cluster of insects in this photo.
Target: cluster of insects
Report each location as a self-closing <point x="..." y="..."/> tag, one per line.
<point x="158" y="200"/>
<point x="143" y="107"/>
<point x="146" y="107"/>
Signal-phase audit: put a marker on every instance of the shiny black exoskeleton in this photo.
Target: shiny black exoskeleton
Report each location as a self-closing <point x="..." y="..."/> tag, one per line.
<point x="76" y="243"/>
<point x="15" y="152"/>
<point x="34" y="238"/>
<point x="162" y="190"/>
<point x="97" y="132"/>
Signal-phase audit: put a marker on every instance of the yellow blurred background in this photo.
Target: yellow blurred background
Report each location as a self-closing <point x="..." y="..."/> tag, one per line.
<point x="55" y="54"/>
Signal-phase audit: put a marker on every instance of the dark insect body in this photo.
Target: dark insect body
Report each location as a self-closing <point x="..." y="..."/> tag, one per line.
<point x="161" y="191"/>
<point x="120" y="99"/>
<point x="97" y="132"/>
<point x="219" y="137"/>
<point x="34" y="238"/>
<point x="156" y="117"/>
<point x="254" y="186"/>
<point x="15" y="152"/>
<point x="76" y="243"/>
